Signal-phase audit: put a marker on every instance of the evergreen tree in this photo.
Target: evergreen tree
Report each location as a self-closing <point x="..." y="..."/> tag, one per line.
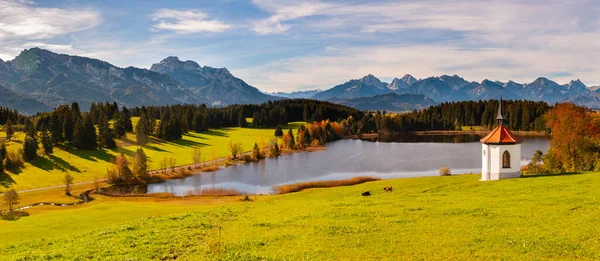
<point x="29" y="129"/>
<point x="2" y="156"/>
<point x="142" y="130"/>
<point x="30" y="147"/>
<point x="9" y="129"/>
<point x="79" y="135"/>
<point x="119" y="125"/>
<point x="105" y="134"/>
<point x="2" y="151"/>
<point x="242" y="123"/>
<point x="127" y="120"/>
<point x="46" y="140"/>
<point x="278" y="131"/>
<point x="90" y="133"/>
<point x="55" y="129"/>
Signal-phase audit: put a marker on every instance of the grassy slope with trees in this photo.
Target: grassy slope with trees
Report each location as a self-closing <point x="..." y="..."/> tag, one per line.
<point x="87" y="165"/>
<point x="456" y="217"/>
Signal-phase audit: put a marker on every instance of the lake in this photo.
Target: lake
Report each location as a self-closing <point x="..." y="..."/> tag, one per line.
<point x="392" y="157"/>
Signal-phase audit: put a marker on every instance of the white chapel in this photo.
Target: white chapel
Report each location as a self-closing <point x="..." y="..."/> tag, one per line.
<point x="501" y="152"/>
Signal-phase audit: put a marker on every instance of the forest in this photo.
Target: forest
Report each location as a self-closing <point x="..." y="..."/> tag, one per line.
<point x="520" y="115"/>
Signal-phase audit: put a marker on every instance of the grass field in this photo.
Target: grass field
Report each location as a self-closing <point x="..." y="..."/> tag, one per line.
<point x="89" y="165"/>
<point x="456" y="218"/>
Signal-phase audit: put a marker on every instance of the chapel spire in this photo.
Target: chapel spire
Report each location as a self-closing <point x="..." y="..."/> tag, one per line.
<point x="499" y="117"/>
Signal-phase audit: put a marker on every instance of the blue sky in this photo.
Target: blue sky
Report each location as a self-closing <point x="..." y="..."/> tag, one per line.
<point x="281" y="45"/>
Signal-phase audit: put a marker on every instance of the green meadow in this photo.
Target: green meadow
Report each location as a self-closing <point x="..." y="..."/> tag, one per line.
<point x="432" y="218"/>
<point x="88" y="165"/>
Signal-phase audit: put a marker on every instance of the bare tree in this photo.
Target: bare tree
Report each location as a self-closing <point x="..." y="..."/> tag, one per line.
<point x="172" y="163"/>
<point x="68" y="181"/>
<point x="197" y="157"/>
<point x="163" y="164"/>
<point x="11" y="197"/>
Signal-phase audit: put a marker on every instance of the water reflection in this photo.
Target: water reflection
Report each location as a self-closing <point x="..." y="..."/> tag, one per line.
<point x="390" y="157"/>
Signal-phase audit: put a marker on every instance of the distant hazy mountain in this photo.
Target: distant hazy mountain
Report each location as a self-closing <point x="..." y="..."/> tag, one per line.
<point x="54" y="79"/>
<point x="363" y="87"/>
<point x="296" y="95"/>
<point x="454" y="88"/>
<point x="22" y="103"/>
<point x="402" y="83"/>
<point x="217" y="85"/>
<point x="388" y="102"/>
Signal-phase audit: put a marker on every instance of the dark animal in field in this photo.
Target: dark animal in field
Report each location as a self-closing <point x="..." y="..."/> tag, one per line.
<point x="367" y="193"/>
<point x="388" y="189"/>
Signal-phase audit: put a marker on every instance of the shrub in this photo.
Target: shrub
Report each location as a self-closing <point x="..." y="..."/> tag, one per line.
<point x="445" y="171"/>
<point x="248" y="158"/>
<point x="14" y="159"/>
<point x="30" y="147"/>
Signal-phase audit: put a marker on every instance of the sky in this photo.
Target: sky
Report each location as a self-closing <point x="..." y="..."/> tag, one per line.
<point x="281" y="45"/>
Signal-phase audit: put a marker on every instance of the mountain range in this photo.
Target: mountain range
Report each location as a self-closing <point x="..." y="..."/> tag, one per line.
<point x="455" y="88"/>
<point x="39" y="80"/>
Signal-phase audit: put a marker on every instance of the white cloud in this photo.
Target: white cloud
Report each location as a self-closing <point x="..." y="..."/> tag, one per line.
<point x="500" y="40"/>
<point x="25" y="25"/>
<point x="186" y="22"/>
<point x="24" y="21"/>
<point x="284" y="11"/>
<point x="338" y="65"/>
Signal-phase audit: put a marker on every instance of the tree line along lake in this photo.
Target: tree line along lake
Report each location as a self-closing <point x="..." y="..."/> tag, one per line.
<point x="384" y="157"/>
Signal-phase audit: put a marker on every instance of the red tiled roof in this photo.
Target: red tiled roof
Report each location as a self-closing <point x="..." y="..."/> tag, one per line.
<point x="501" y="135"/>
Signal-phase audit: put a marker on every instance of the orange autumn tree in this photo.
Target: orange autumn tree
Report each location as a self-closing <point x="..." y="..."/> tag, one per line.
<point x="575" y="137"/>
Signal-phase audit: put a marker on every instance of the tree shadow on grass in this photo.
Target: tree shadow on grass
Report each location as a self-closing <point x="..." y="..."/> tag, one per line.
<point x="553" y="174"/>
<point x="92" y="155"/>
<point x="126" y="152"/>
<point x="154" y="148"/>
<point x="52" y="163"/>
<point x="6" y="180"/>
<point x="187" y="143"/>
<point x="217" y="132"/>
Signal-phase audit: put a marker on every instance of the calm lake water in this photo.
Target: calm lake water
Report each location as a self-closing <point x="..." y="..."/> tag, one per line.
<point x="392" y="157"/>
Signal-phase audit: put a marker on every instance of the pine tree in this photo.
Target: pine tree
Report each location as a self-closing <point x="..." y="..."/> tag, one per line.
<point x="90" y="133"/>
<point x="105" y="134"/>
<point x="55" y="129"/>
<point x="119" y="125"/>
<point x="79" y="135"/>
<point x="242" y="123"/>
<point x="29" y="129"/>
<point x="127" y="120"/>
<point x="2" y="156"/>
<point x="142" y="130"/>
<point x="278" y="131"/>
<point x="9" y="130"/>
<point x="2" y="151"/>
<point x="30" y="147"/>
<point x="46" y="140"/>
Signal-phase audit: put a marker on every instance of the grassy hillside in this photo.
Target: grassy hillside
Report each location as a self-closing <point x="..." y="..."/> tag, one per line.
<point x="457" y="217"/>
<point x="87" y="165"/>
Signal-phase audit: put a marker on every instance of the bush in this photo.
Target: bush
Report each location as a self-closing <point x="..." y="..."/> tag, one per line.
<point x="248" y="158"/>
<point x="445" y="171"/>
<point x="14" y="159"/>
<point x="30" y="147"/>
